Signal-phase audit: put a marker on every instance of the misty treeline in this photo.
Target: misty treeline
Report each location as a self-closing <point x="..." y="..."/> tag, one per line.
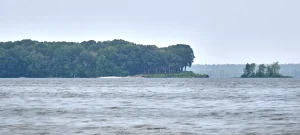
<point x="236" y="70"/>
<point x="264" y="71"/>
<point x="28" y="58"/>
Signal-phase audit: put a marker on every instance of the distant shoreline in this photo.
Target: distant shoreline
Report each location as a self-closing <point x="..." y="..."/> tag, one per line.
<point x="138" y="77"/>
<point x="264" y="77"/>
<point x="235" y="70"/>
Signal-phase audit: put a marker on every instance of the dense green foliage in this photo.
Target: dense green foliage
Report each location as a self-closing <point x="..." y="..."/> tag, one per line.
<point x="186" y="74"/>
<point x="271" y="72"/>
<point x="28" y="58"/>
<point x="235" y="70"/>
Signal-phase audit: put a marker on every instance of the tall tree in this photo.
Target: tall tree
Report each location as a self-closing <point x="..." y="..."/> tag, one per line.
<point x="252" y="69"/>
<point x="261" y="72"/>
<point x="247" y="71"/>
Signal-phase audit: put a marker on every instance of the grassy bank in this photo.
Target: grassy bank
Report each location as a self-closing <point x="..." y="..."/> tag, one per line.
<point x="186" y="74"/>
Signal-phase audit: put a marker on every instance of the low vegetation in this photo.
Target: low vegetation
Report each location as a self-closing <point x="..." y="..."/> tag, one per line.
<point x="186" y="74"/>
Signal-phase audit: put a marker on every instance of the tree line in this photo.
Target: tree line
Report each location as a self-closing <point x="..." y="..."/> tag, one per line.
<point x="264" y="71"/>
<point x="28" y="58"/>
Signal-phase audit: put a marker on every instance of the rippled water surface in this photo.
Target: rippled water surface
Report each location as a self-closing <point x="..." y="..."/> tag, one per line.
<point x="149" y="106"/>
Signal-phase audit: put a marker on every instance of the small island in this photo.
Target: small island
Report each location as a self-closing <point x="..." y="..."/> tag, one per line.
<point x="264" y="71"/>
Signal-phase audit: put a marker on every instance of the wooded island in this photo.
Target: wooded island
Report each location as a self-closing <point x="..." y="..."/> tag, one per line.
<point x="29" y="58"/>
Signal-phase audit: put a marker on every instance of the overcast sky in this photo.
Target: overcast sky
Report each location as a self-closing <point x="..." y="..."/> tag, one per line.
<point x="219" y="31"/>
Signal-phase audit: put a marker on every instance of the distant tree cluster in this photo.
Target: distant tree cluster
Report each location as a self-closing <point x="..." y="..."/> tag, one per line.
<point x="28" y="58"/>
<point x="269" y="71"/>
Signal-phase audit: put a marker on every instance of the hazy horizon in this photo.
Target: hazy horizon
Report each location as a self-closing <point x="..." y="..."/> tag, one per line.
<point x="220" y="32"/>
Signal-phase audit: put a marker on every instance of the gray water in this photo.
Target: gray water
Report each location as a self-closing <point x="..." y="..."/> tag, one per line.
<point x="149" y="106"/>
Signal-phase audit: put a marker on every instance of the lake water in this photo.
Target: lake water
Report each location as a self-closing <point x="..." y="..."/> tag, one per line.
<point x="149" y="106"/>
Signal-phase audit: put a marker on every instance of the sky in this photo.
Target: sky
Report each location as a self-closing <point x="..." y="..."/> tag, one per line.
<point x="219" y="31"/>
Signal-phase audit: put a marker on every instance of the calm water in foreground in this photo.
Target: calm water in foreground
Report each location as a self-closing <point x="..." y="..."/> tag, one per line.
<point x="149" y="106"/>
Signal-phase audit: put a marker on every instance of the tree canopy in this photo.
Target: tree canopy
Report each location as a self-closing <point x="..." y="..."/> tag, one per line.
<point x="28" y="58"/>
